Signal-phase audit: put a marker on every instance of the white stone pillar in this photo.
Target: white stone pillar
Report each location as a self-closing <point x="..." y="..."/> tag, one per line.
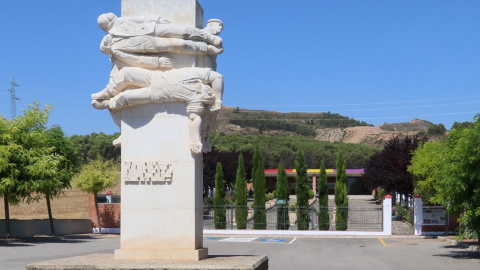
<point x="418" y="214"/>
<point x="387" y="215"/>
<point x="182" y="12"/>
<point x="161" y="212"/>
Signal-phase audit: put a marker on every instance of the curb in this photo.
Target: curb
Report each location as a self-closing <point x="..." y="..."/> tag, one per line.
<point x="473" y="248"/>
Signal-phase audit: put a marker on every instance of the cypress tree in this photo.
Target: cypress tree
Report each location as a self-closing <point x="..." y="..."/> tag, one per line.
<point x="255" y="160"/>
<point x="220" y="210"/>
<point x="323" y="216"/>
<point x="301" y="191"/>
<point x="259" y="211"/>
<point x="283" y="220"/>
<point x="339" y="178"/>
<point x="341" y="199"/>
<point x="241" y="210"/>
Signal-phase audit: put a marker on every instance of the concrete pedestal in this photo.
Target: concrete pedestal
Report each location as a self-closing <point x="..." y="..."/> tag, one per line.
<point x="107" y="262"/>
<point x="161" y="212"/>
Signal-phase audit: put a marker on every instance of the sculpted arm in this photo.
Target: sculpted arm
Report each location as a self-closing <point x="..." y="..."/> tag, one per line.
<point x="144" y="61"/>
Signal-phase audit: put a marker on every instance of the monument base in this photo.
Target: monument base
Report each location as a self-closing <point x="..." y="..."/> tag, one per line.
<point x="107" y="262"/>
<point x="153" y="254"/>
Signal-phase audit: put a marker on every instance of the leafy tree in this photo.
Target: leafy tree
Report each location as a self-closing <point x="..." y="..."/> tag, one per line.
<point x="454" y="177"/>
<point x="241" y="195"/>
<point x="93" y="145"/>
<point x="20" y="149"/>
<point x="425" y="164"/>
<point x="94" y="177"/>
<point x="437" y="129"/>
<point x="388" y="168"/>
<point x="301" y="190"/>
<point x="323" y="215"/>
<point x="220" y="210"/>
<point x="282" y="192"/>
<point x="259" y="211"/>
<point x="54" y="169"/>
<point x="462" y="125"/>
<point x="341" y="195"/>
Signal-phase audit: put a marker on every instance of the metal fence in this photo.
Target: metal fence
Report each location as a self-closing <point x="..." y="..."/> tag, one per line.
<point x="281" y="218"/>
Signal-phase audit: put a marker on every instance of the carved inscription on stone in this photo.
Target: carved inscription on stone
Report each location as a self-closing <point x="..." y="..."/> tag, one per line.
<point x="147" y="172"/>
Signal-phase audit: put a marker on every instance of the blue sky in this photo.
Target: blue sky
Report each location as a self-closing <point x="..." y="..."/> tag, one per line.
<point x="376" y="61"/>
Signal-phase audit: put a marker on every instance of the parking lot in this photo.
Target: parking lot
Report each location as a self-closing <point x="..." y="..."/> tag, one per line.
<point x="283" y="253"/>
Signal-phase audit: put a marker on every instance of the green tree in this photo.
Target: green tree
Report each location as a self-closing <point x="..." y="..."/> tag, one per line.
<point x="94" y="177"/>
<point x="437" y="129"/>
<point x="93" y="145"/>
<point x="425" y="166"/>
<point x="282" y="192"/>
<point x="241" y="195"/>
<point x="341" y="198"/>
<point x="220" y="210"/>
<point x="258" y="174"/>
<point x="454" y="179"/>
<point x="301" y="191"/>
<point x="323" y="215"/>
<point x="20" y="149"/>
<point x="54" y="168"/>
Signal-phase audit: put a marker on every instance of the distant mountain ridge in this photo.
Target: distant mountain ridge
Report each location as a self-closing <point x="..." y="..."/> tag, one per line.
<point x="327" y="126"/>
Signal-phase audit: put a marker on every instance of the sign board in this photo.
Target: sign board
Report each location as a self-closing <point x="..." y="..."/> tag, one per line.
<point x="434" y="216"/>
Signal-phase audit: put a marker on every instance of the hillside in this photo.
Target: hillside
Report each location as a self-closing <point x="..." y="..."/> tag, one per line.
<point x="328" y="126"/>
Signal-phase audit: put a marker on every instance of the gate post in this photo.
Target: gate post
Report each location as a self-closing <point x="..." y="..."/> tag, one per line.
<point x="418" y="214"/>
<point x="387" y="215"/>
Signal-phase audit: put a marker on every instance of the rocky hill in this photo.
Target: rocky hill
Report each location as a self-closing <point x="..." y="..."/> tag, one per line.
<point x="322" y="126"/>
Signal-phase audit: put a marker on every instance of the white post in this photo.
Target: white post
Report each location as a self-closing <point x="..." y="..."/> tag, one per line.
<point x="387" y="215"/>
<point x="418" y="214"/>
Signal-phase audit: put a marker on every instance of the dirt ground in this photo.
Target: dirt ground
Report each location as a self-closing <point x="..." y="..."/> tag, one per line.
<point x="73" y="204"/>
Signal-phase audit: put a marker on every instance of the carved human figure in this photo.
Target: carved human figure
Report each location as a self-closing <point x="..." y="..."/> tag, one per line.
<point x="200" y="88"/>
<point x="215" y="27"/>
<point x="153" y="26"/>
<point x="149" y="44"/>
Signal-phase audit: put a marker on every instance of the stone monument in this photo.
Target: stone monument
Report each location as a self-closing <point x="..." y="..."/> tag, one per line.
<point x="164" y="95"/>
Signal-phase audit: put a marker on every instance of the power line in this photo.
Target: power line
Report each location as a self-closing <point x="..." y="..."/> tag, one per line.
<point x="13" y="98"/>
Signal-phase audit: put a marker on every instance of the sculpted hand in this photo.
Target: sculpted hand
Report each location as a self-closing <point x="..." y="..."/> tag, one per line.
<point x="165" y="62"/>
<point x="106" y="44"/>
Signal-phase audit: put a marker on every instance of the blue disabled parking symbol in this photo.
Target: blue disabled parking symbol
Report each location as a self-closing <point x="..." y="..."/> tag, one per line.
<point x="272" y="240"/>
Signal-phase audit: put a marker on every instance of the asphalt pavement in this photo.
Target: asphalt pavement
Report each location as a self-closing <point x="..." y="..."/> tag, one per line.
<point x="283" y="253"/>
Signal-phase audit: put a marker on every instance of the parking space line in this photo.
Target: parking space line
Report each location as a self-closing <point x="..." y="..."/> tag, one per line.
<point x="381" y="240"/>
<point x="398" y="242"/>
<point x="238" y="239"/>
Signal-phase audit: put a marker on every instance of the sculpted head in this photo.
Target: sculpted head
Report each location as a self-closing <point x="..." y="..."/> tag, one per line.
<point x="215" y="26"/>
<point x="106" y="20"/>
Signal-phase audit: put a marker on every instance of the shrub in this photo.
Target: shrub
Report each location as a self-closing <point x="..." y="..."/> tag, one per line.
<point x="311" y="194"/>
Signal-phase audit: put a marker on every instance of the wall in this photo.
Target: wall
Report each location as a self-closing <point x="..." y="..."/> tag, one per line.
<point x="30" y="228"/>
<point x="109" y="213"/>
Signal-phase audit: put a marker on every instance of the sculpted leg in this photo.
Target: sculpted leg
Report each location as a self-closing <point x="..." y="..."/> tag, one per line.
<point x="194" y="129"/>
<point x="125" y="78"/>
<point x="131" y="98"/>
